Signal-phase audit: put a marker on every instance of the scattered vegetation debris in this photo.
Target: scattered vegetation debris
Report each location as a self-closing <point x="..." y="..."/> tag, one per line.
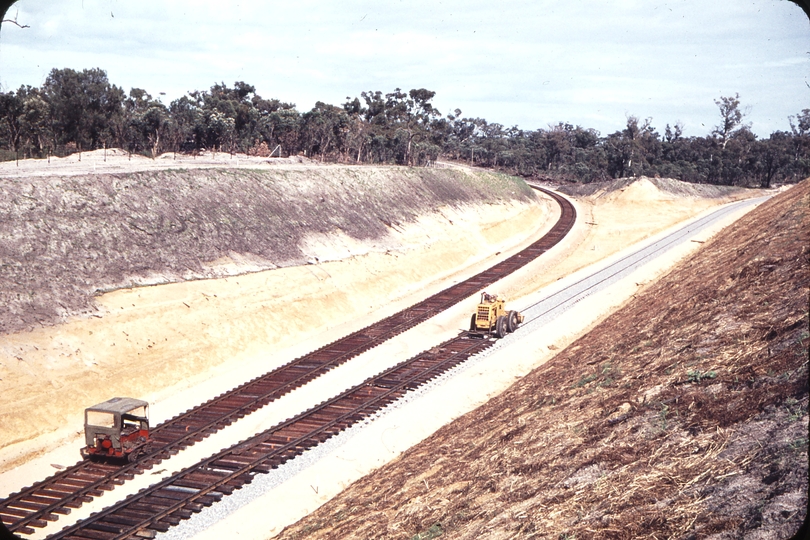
<point x="707" y="369"/>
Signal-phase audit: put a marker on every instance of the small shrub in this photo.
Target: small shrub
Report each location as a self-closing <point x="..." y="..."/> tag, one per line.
<point x="696" y="376"/>
<point x="799" y="445"/>
<point x="662" y="416"/>
<point x="795" y="411"/>
<point x="585" y="380"/>
<point x="434" y="531"/>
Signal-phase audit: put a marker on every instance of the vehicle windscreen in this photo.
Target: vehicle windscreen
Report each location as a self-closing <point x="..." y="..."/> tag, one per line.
<point x="100" y="419"/>
<point x="140" y="412"/>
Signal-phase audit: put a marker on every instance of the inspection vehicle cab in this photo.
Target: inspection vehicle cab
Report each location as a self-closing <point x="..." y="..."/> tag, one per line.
<point x="117" y="428"/>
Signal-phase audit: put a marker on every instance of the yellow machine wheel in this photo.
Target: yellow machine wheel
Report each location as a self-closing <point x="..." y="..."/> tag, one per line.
<point x="512" y="321"/>
<point x="500" y="326"/>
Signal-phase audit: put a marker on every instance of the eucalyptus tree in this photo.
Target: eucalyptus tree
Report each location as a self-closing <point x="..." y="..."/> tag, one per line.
<point x="799" y="165"/>
<point x="11" y="120"/>
<point x="36" y="134"/>
<point x="731" y="118"/>
<point x="773" y="156"/>
<point x="24" y="120"/>
<point x="83" y="107"/>
<point x="458" y="134"/>
<point x="276" y="123"/>
<point x="325" y="129"/>
<point x="633" y="151"/>
<point x="359" y="132"/>
<point x="147" y="121"/>
<point x="287" y="126"/>
<point x="185" y="117"/>
<point x="409" y="118"/>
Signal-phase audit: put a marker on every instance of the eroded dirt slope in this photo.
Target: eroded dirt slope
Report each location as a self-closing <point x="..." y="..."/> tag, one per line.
<point x="684" y="414"/>
<point x="65" y="238"/>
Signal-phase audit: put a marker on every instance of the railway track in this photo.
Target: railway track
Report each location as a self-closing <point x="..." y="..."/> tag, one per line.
<point x="166" y="503"/>
<point x="43" y="502"/>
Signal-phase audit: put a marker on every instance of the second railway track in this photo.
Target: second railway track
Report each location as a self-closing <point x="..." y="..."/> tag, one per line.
<point x="43" y="502"/>
<point x="168" y="502"/>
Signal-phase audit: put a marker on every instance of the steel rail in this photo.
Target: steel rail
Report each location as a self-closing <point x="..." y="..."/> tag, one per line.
<point x="173" y="499"/>
<point x="44" y="501"/>
<point x="633" y="260"/>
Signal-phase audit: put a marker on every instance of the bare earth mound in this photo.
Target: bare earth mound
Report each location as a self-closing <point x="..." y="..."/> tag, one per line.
<point x="683" y="415"/>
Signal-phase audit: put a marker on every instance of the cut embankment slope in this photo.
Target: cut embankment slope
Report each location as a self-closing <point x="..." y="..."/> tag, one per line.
<point x="377" y="235"/>
<point x="64" y="239"/>
<point x="682" y="414"/>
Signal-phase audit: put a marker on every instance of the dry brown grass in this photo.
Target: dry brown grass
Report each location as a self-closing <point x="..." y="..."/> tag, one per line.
<point x="683" y="415"/>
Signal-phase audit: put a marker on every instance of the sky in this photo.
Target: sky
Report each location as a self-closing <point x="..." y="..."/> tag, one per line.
<point x="529" y="64"/>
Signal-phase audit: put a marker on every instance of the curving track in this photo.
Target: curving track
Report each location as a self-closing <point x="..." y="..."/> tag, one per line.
<point x="35" y="506"/>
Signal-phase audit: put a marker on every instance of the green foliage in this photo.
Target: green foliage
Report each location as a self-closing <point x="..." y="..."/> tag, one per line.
<point x="609" y="374"/>
<point x="82" y="110"/>
<point x="695" y="376"/>
<point x="799" y="445"/>
<point x="84" y="107"/>
<point x="794" y="408"/>
<point x="434" y="531"/>
<point x="585" y="380"/>
<point x="662" y="417"/>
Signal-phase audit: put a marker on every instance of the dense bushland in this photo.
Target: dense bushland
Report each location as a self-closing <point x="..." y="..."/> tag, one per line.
<point x="82" y="110"/>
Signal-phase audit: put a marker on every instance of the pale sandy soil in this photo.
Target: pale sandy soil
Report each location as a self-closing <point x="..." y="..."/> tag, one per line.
<point x="115" y="160"/>
<point x="157" y="341"/>
<point x="608" y="222"/>
<point x="179" y="344"/>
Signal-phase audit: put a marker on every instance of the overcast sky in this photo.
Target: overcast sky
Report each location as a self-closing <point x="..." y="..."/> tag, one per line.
<point x="525" y="63"/>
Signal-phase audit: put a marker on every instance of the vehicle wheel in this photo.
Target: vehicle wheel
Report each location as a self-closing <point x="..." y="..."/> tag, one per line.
<point x="137" y="453"/>
<point x="500" y="326"/>
<point x="512" y="321"/>
<point x="472" y="323"/>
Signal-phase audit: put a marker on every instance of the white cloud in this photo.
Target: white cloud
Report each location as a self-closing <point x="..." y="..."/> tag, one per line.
<point x="519" y="62"/>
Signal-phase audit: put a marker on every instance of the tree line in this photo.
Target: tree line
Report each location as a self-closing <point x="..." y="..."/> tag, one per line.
<point x="81" y="110"/>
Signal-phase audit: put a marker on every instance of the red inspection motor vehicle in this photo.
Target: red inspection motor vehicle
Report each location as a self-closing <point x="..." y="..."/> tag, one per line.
<point x="117" y="428"/>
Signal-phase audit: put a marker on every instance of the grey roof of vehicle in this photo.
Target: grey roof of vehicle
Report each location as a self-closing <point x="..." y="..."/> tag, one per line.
<point x="119" y="405"/>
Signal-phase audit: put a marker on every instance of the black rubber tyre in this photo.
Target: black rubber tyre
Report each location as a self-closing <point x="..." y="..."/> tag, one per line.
<point x="472" y="323"/>
<point x="500" y="326"/>
<point x="512" y="321"/>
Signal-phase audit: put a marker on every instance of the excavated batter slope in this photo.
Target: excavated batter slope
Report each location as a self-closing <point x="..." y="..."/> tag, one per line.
<point x="65" y="238"/>
<point x="74" y="331"/>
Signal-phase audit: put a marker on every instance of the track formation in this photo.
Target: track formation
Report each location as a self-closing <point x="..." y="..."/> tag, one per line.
<point x="177" y="497"/>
